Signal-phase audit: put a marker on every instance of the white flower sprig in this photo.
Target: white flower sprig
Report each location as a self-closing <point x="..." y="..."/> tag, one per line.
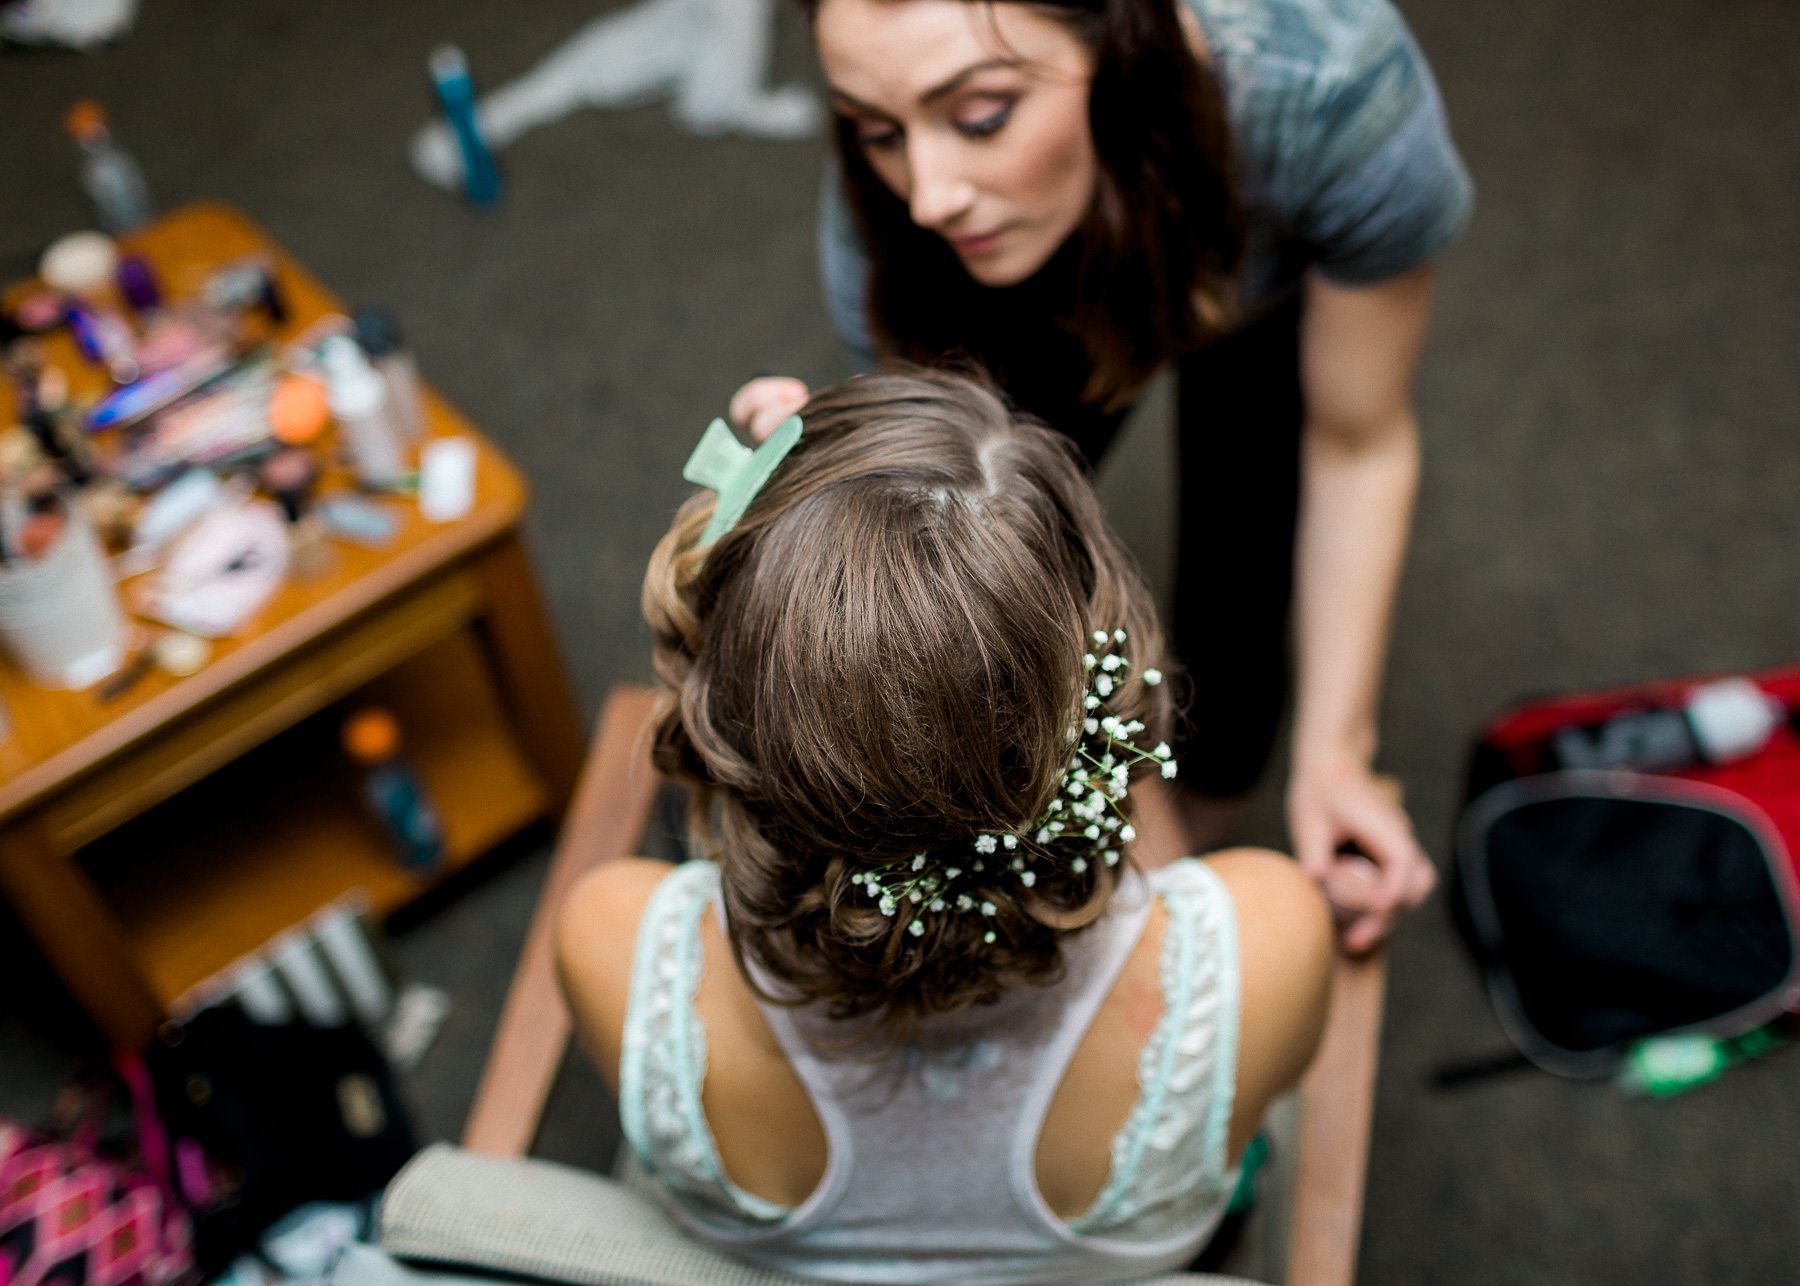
<point x="1082" y="824"/>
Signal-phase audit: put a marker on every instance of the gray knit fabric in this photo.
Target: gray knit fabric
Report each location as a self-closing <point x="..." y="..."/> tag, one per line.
<point x="538" y="1219"/>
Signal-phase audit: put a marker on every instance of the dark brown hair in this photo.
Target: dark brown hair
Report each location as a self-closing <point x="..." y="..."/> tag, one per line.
<point x="1160" y="249"/>
<point x="882" y="658"/>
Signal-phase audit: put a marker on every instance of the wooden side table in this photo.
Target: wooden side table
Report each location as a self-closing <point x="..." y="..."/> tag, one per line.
<point x="148" y="843"/>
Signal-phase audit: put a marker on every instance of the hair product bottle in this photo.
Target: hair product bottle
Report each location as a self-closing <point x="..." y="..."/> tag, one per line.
<point x="392" y="789"/>
<point x="111" y="175"/>
<point x="360" y="401"/>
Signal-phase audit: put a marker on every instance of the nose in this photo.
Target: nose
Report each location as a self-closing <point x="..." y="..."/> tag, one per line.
<point x="940" y="192"/>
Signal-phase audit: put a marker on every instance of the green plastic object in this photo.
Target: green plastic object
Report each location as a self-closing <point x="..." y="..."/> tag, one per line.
<point x="735" y="471"/>
<point x="1663" y="1066"/>
<point x="1243" y="1197"/>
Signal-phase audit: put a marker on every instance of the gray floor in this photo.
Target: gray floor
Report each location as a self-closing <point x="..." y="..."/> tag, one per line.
<point x="1611" y="483"/>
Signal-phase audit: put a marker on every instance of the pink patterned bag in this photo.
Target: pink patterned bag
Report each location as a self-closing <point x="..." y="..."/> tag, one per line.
<point x="71" y="1215"/>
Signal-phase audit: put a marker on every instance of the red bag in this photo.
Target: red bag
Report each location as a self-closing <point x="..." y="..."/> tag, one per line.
<point x="73" y="1216"/>
<point x="1521" y="742"/>
<point x="1626" y="866"/>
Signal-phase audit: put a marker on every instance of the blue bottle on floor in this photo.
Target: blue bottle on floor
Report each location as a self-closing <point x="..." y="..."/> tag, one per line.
<point x="393" y="791"/>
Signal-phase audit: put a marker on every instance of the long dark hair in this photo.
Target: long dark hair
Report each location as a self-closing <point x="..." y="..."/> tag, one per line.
<point x="1154" y="268"/>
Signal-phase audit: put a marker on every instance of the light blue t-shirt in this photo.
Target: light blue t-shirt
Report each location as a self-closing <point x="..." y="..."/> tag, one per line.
<point x="1347" y="159"/>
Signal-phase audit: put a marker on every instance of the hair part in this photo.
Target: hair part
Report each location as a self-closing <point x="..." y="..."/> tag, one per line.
<point x="883" y="658"/>
<point x="1161" y="247"/>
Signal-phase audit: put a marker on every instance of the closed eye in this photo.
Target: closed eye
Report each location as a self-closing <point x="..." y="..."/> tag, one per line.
<point x="987" y="125"/>
<point x="878" y="138"/>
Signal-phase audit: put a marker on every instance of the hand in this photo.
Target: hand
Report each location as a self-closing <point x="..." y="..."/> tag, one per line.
<point x="765" y="402"/>
<point x="1343" y="803"/>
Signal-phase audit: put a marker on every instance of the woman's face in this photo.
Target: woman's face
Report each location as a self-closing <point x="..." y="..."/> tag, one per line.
<point x="975" y="115"/>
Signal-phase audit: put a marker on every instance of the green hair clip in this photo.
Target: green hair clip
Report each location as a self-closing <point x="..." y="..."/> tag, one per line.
<point x="736" y="472"/>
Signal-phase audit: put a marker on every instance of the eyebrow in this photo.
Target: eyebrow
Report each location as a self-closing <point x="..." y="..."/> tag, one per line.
<point x="937" y="91"/>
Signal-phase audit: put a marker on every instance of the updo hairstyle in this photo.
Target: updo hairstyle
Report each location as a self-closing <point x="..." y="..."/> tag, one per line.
<point x="883" y="658"/>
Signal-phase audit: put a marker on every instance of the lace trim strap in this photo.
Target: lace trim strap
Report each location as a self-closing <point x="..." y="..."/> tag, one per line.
<point x="1168" y="1160"/>
<point x="663" y="1064"/>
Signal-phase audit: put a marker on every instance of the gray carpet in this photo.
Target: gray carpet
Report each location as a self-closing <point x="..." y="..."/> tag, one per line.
<point x="1611" y="482"/>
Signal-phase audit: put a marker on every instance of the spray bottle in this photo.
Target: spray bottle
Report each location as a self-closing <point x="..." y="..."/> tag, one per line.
<point x="110" y="174"/>
<point x="364" y="410"/>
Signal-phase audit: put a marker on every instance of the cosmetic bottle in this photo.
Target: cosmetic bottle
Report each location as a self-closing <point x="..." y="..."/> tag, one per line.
<point x="393" y="790"/>
<point x="379" y="334"/>
<point x="456" y="91"/>
<point x="360" y="402"/>
<point x="111" y="175"/>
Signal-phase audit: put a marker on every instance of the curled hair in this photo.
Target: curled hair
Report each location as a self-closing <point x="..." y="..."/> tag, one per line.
<point x="882" y="658"/>
<point x="1157" y="257"/>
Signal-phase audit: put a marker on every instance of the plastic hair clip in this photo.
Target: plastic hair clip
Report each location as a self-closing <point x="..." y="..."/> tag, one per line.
<point x="735" y="471"/>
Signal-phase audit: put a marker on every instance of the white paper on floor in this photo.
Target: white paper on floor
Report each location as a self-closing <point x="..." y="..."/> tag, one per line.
<point x="710" y="56"/>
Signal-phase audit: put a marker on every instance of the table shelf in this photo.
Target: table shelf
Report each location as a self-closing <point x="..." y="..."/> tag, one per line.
<point x="224" y="866"/>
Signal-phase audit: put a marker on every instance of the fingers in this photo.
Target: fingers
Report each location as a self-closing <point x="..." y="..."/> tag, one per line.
<point x="1387" y="875"/>
<point x="1315" y="840"/>
<point x="761" y="405"/>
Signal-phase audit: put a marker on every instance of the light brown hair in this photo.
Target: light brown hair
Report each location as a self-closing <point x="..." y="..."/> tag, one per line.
<point x="883" y="658"/>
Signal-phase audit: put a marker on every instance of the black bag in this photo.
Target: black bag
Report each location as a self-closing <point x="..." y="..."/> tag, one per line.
<point x="284" y="1115"/>
<point x="1606" y="906"/>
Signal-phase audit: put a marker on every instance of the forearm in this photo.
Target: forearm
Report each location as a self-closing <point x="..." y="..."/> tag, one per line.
<point x="1355" y="515"/>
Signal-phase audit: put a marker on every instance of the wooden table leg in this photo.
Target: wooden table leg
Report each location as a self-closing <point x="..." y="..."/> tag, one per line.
<point x="70" y="921"/>
<point x="530" y="667"/>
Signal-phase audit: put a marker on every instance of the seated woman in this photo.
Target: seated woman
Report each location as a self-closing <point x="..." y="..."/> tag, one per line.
<point x="922" y="1018"/>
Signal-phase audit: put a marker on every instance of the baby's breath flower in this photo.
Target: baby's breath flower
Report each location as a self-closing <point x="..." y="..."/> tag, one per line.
<point x="1088" y="800"/>
<point x="989" y="938"/>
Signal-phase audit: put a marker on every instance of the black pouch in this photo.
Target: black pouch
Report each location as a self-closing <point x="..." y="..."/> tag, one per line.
<point x="1606" y="906"/>
<point x="283" y="1115"/>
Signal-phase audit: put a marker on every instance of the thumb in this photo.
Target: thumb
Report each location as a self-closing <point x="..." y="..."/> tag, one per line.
<point x="1311" y="830"/>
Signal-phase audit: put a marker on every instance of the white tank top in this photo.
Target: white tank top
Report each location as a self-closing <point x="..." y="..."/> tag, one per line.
<point x="931" y="1174"/>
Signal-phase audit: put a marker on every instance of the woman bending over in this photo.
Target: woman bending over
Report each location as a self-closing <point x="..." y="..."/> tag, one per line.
<point x="922" y="1018"/>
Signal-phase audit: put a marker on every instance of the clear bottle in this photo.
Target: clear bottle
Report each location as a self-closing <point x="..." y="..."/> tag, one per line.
<point x="359" y="398"/>
<point x="393" y="791"/>
<point x="379" y="334"/>
<point x="111" y="176"/>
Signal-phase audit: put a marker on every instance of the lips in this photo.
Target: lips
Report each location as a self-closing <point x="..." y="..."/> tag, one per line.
<point x="980" y="244"/>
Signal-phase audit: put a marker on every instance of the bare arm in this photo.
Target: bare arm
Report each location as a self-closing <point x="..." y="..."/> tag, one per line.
<point x="1359" y="349"/>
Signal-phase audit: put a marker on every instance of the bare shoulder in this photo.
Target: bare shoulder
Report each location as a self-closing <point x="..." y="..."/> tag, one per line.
<point x="1284" y="966"/>
<point x="596" y="938"/>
